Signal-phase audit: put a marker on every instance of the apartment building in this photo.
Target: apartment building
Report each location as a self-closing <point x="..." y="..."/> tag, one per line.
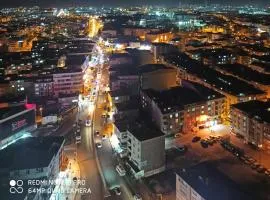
<point x="251" y="120"/>
<point x="232" y="88"/>
<point x="181" y="109"/>
<point x="43" y="86"/>
<point x="146" y="149"/>
<point x="158" y="76"/>
<point x="67" y="81"/>
<point x="206" y="182"/>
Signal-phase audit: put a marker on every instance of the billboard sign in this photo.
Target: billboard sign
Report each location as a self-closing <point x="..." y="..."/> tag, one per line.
<point x="18" y="123"/>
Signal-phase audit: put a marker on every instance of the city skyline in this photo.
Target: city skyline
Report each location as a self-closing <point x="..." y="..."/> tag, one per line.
<point x="107" y="3"/>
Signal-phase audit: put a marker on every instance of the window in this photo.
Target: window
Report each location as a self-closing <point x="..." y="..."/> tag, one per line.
<point x="176" y="114"/>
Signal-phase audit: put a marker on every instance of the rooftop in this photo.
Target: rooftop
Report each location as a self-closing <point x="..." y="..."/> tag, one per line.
<point x="36" y="152"/>
<point x="177" y="97"/>
<point x="226" y="83"/>
<point x="144" y="130"/>
<point x="152" y="67"/>
<point x="246" y="73"/>
<point x="211" y="184"/>
<point x="257" y="109"/>
<point x="132" y="104"/>
<point x="9" y="111"/>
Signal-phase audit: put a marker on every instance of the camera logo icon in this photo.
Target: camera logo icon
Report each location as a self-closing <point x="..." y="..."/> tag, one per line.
<point x="16" y="186"/>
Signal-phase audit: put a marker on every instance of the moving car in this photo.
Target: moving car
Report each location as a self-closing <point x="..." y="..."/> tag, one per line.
<point x="97" y="133"/>
<point x="87" y="122"/>
<point x="78" y="138"/>
<point x="99" y="145"/>
<point x="121" y="171"/>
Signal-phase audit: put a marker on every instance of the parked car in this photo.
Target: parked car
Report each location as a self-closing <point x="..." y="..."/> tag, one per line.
<point x="261" y="169"/>
<point x="255" y="165"/>
<point x="177" y="135"/>
<point x="182" y="148"/>
<point x="117" y="190"/>
<point x="204" y="143"/>
<point x="196" y="139"/>
<point x="137" y="197"/>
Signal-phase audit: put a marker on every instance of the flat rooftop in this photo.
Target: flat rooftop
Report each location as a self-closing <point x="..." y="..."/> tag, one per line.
<point x="152" y="67"/>
<point x="29" y="153"/>
<point x="246" y="73"/>
<point x="258" y="109"/>
<point x="144" y="130"/>
<point x="226" y="83"/>
<point x="212" y="184"/>
<point x="132" y="104"/>
<point x="9" y="111"/>
<point x="177" y="97"/>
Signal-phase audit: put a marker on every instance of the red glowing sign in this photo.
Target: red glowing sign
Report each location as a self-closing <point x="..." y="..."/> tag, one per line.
<point x="18" y="124"/>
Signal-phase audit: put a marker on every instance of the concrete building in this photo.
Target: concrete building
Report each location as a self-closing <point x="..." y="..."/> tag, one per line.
<point x="124" y="77"/>
<point x="158" y="77"/>
<point x="146" y="149"/>
<point x="67" y="81"/>
<point x="159" y="36"/>
<point x="43" y="86"/>
<point x="205" y="182"/>
<point x="32" y="158"/>
<point x="235" y="90"/>
<point x="120" y="58"/>
<point x="141" y="56"/>
<point x="15" y="122"/>
<point x="160" y="49"/>
<point x="182" y="109"/>
<point x="251" y="120"/>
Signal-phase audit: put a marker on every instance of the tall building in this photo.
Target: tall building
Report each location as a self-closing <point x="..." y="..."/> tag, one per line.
<point x="67" y="81"/>
<point x="146" y="149"/>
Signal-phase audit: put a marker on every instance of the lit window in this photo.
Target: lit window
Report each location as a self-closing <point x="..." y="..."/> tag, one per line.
<point x="176" y="115"/>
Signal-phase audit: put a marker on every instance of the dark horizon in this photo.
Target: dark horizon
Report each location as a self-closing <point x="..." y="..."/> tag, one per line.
<point x="114" y="3"/>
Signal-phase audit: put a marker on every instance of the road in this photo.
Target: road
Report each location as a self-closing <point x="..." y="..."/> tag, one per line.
<point x="108" y="158"/>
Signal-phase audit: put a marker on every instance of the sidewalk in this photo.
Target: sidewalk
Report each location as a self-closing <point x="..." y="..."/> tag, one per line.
<point x="66" y="187"/>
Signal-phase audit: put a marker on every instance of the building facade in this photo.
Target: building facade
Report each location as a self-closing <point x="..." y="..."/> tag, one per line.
<point x="251" y="121"/>
<point x="67" y="82"/>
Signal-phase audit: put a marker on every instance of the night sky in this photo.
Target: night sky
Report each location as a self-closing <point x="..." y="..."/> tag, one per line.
<point x="59" y="3"/>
